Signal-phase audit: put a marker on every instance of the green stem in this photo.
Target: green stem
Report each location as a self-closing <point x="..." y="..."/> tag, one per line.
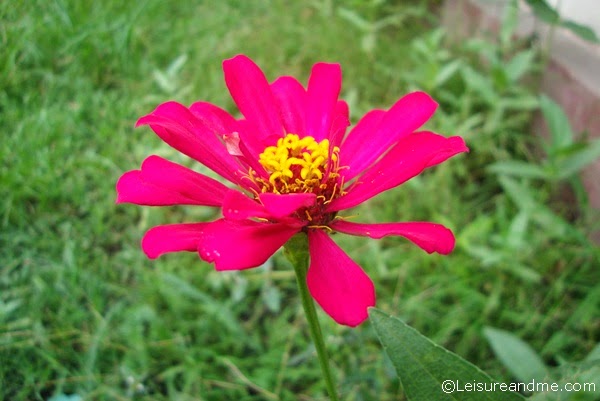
<point x="296" y="250"/>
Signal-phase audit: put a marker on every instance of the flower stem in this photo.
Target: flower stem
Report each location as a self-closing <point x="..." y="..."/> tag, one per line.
<point x="296" y="250"/>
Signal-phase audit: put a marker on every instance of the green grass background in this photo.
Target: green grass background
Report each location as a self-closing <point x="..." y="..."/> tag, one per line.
<point x="82" y="311"/>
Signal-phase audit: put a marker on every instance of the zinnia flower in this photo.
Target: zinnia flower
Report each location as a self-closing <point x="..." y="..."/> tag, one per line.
<point x="293" y="169"/>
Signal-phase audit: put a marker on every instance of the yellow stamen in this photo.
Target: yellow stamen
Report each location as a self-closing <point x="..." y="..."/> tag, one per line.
<point x="297" y="165"/>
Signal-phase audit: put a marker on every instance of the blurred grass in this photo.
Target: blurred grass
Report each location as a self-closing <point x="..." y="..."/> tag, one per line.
<point x="82" y="311"/>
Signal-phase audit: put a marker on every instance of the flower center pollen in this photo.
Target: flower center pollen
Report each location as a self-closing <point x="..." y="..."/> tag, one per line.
<point x="298" y="164"/>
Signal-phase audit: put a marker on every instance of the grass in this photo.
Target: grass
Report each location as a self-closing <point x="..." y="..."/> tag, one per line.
<point x="82" y="311"/>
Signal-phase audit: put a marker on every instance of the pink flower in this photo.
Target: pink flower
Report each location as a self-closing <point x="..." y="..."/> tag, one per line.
<point x="294" y="169"/>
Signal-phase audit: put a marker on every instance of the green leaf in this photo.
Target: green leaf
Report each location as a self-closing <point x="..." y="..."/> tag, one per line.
<point x="510" y="21"/>
<point x="578" y="160"/>
<point x="519" y="168"/>
<point x="517" y="231"/>
<point x="543" y="11"/>
<point x="523" y="197"/>
<point x="479" y="84"/>
<point x="271" y="297"/>
<point x="354" y="19"/>
<point x="446" y="72"/>
<point x="516" y="355"/>
<point x="584" y="32"/>
<point x="594" y="354"/>
<point x="429" y="372"/>
<point x="519" y="65"/>
<point x="558" y="124"/>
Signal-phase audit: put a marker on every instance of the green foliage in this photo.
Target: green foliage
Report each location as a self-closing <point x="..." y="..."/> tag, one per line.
<point x="548" y="14"/>
<point x="84" y="314"/>
<point x="428" y="371"/>
<point x="516" y="355"/>
<point x="565" y="156"/>
<point x="529" y="368"/>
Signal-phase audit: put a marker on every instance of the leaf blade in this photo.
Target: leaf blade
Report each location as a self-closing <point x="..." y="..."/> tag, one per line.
<point x="423" y="366"/>
<point x="516" y="355"/>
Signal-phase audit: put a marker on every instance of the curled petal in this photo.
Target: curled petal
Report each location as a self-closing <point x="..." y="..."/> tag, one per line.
<point x="323" y="90"/>
<point x="160" y="182"/>
<point x="172" y="238"/>
<point x="290" y="95"/>
<point x="252" y="94"/>
<point x="383" y="130"/>
<point x="430" y="237"/>
<point x="336" y="282"/>
<point x="178" y="126"/>
<point x="404" y="161"/>
<point x="237" y="245"/>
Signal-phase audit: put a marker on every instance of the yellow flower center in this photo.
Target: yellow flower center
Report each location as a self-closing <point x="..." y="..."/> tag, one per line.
<point x="298" y="165"/>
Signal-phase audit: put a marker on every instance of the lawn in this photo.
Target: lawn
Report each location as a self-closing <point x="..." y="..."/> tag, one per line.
<point x="83" y="312"/>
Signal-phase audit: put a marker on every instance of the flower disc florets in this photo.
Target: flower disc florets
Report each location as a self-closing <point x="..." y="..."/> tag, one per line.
<point x="302" y="165"/>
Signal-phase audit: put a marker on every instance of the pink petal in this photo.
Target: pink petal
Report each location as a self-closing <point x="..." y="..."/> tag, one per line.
<point x="336" y="282"/>
<point x="164" y="183"/>
<point x="340" y="123"/>
<point x="172" y="238"/>
<point x="407" y="159"/>
<point x="238" y="206"/>
<point x="430" y="237"/>
<point x="252" y="94"/>
<point x="238" y="136"/>
<point x="454" y="146"/>
<point x="356" y="139"/>
<point x="237" y="245"/>
<point x="365" y="145"/>
<point x="291" y="98"/>
<point x="214" y="118"/>
<point x="284" y="205"/>
<point x="323" y="90"/>
<point x="179" y="127"/>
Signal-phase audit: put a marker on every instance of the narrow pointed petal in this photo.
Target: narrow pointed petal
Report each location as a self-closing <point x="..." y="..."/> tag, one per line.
<point x="336" y="282"/>
<point x="252" y="94"/>
<point x="291" y="99"/>
<point x="160" y="182"/>
<point x="172" y="238"/>
<point x="431" y="237"/>
<point x="283" y="205"/>
<point x="323" y="90"/>
<point x="364" y="146"/>
<point x="237" y="245"/>
<point x="178" y="126"/>
<point x="407" y="159"/>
